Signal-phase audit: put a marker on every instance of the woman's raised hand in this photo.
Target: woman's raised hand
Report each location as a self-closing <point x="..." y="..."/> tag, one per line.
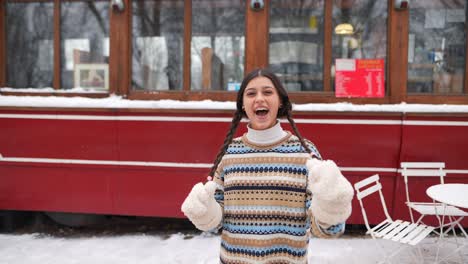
<point x="201" y="207"/>
<point x="332" y="193"/>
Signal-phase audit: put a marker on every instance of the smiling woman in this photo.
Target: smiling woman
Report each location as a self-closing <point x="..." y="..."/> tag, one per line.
<point x="269" y="189"/>
<point x="261" y="103"/>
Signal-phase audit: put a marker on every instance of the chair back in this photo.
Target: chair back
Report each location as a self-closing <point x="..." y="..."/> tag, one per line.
<point x="421" y="169"/>
<point x="367" y="187"/>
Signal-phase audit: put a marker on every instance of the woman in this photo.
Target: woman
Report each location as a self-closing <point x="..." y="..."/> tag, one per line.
<point x="269" y="188"/>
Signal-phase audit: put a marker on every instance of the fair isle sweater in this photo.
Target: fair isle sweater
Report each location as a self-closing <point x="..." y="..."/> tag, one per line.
<point x="262" y="188"/>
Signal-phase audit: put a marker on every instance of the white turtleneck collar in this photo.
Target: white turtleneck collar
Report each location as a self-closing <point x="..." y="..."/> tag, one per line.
<point x="267" y="136"/>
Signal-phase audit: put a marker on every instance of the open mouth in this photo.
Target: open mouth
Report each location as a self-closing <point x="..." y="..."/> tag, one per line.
<point x="262" y="111"/>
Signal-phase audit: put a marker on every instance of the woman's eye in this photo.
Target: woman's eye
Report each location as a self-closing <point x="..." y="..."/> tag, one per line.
<point x="250" y="94"/>
<point x="268" y="92"/>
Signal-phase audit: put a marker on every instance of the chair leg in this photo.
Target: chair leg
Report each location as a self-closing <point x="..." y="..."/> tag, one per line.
<point x="462" y="229"/>
<point x="419" y="219"/>
<point x="439" y="242"/>
<point x="451" y="225"/>
<point x="440" y="224"/>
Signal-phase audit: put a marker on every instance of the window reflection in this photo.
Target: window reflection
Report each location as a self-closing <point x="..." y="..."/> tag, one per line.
<point x="157" y="45"/>
<point x="154" y="60"/>
<point x="368" y="39"/>
<point x="79" y="46"/>
<point x="296" y="43"/>
<point x="29" y="40"/>
<point x="217" y="49"/>
<point x="436" y="47"/>
<point x="84" y="33"/>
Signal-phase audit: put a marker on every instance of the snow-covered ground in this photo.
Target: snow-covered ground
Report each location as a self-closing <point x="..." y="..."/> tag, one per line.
<point x="180" y="248"/>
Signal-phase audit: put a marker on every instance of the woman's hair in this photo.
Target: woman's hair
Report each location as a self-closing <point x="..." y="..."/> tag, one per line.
<point x="285" y="110"/>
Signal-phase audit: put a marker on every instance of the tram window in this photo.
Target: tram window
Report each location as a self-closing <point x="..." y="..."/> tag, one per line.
<point x="157" y="45"/>
<point x="29" y="41"/>
<point x="84" y="33"/>
<point x="296" y="43"/>
<point x="436" y="47"/>
<point x="217" y="45"/>
<point x="367" y="38"/>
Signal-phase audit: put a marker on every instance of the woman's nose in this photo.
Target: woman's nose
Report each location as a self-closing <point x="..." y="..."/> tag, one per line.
<point x="259" y="97"/>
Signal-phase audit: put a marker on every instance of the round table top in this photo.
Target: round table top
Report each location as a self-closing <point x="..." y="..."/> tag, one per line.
<point x="455" y="194"/>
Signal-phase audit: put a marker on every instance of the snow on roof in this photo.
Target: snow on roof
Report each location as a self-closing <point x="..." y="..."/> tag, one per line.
<point x="114" y="101"/>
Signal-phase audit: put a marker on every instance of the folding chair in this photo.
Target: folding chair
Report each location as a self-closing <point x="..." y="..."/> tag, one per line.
<point x="430" y="169"/>
<point x="403" y="232"/>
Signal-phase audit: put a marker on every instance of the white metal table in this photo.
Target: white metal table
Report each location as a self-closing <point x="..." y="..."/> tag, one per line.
<point x="455" y="194"/>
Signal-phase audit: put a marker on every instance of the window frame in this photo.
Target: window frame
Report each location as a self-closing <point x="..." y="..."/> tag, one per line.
<point x="256" y="55"/>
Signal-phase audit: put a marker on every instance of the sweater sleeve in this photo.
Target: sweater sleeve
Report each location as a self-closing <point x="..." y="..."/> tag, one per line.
<point x="314" y="151"/>
<point x="219" y="193"/>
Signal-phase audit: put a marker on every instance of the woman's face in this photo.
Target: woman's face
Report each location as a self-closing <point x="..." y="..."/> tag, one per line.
<point x="261" y="103"/>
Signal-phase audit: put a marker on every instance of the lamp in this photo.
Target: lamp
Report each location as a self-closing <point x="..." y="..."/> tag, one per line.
<point x="344" y="29"/>
<point x="118" y="5"/>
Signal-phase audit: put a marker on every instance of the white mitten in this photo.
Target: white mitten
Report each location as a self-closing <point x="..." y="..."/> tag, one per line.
<point x="201" y="207"/>
<point x="331" y="192"/>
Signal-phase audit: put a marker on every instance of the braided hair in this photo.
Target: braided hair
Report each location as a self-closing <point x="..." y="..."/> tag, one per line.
<point x="285" y="111"/>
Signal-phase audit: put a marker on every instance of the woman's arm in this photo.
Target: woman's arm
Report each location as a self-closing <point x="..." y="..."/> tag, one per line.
<point x="204" y="206"/>
<point x="201" y="207"/>
<point x="331" y="195"/>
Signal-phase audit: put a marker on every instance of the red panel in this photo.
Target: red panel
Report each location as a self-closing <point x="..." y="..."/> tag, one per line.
<point x="437" y="143"/>
<point x="65" y="139"/>
<point x="58" y="188"/>
<point x="192" y="142"/>
<point x="154" y="192"/>
<point x="355" y="145"/>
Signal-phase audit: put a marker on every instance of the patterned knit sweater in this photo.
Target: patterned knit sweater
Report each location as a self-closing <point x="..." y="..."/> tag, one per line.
<point x="265" y="199"/>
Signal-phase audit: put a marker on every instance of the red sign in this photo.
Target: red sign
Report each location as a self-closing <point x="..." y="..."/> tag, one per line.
<point x="359" y="78"/>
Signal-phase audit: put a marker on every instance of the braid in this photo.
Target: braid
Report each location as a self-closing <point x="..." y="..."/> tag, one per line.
<point x="234" y="124"/>
<point x="296" y="131"/>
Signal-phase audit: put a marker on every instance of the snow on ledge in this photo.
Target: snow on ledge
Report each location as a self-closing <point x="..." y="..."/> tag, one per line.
<point x="114" y="101"/>
<point x="49" y="90"/>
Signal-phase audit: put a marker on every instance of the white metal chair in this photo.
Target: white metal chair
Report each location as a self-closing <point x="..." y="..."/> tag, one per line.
<point x="430" y="169"/>
<point x="403" y="232"/>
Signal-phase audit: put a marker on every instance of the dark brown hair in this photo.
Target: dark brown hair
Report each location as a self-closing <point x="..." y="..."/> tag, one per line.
<point x="285" y="111"/>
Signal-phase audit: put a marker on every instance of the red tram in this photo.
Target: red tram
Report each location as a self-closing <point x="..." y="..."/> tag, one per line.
<point x="143" y="162"/>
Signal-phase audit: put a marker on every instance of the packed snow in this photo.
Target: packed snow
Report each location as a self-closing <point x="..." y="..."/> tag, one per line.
<point x="114" y="101"/>
<point x="180" y="248"/>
